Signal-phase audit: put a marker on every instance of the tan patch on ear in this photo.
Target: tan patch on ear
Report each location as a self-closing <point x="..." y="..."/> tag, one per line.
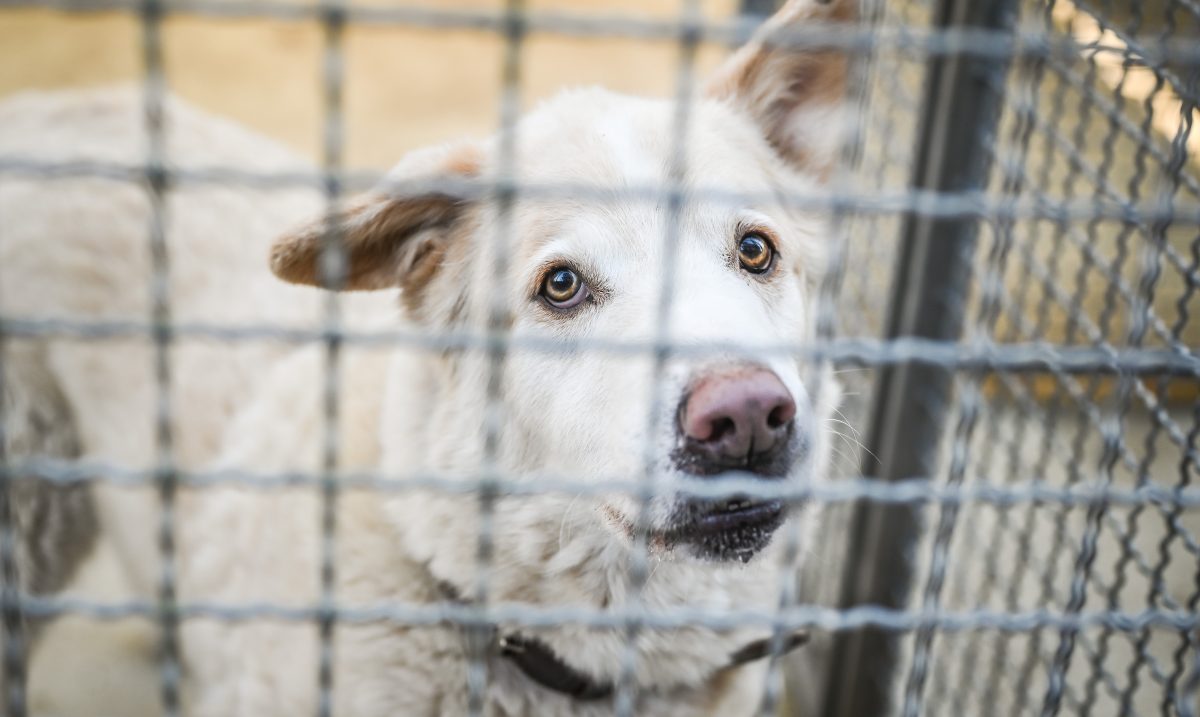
<point x="774" y="82"/>
<point x="371" y="233"/>
<point x="377" y="260"/>
<point x="820" y="81"/>
<point x="465" y="160"/>
<point x="294" y="256"/>
<point x="420" y="273"/>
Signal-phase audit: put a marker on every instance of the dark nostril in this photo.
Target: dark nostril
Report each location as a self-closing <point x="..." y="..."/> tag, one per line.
<point x="721" y="427"/>
<point x="781" y="415"/>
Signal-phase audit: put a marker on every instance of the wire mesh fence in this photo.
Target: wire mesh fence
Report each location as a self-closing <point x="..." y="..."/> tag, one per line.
<point x="1010" y="523"/>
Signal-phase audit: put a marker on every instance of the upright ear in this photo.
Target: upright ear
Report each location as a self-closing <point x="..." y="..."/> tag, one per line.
<point x="794" y="93"/>
<point x="391" y="237"/>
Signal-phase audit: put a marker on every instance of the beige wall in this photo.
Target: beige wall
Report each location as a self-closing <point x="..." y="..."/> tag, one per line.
<point x="404" y="87"/>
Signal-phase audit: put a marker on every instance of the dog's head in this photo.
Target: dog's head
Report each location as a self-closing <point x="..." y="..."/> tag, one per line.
<point x="588" y="257"/>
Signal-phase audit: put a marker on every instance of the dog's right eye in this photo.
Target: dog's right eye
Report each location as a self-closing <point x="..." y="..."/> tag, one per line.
<point x="563" y="288"/>
<point x="755" y="253"/>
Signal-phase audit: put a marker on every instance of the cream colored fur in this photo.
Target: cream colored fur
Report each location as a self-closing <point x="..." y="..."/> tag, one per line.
<point x="77" y="249"/>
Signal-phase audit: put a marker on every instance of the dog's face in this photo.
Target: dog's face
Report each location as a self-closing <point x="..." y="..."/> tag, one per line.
<point x="593" y="262"/>
<point x="722" y="280"/>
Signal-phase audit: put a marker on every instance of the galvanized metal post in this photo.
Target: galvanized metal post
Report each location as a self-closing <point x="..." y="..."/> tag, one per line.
<point x="960" y="111"/>
<point x="758" y="8"/>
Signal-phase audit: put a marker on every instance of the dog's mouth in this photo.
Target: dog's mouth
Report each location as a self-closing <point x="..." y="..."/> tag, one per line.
<point x="734" y="528"/>
<point x="738" y="526"/>
<point x="736" y="513"/>
<point x="697" y="460"/>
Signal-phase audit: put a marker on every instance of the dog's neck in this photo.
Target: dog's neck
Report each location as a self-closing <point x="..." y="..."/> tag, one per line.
<point x="588" y="571"/>
<point x="554" y="550"/>
<point x="557" y="673"/>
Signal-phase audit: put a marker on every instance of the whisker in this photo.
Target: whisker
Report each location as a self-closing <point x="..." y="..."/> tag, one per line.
<point x="562" y="526"/>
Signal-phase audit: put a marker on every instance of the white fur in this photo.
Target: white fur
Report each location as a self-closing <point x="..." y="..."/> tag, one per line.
<point x="77" y="249"/>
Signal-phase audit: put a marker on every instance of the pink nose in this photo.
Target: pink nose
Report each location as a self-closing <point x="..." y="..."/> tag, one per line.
<point x="738" y="413"/>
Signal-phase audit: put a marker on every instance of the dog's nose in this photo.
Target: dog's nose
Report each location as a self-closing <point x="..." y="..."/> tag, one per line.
<point x="738" y="413"/>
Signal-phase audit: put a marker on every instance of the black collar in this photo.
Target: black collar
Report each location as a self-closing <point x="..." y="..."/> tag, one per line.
<point x="540" y="664"/>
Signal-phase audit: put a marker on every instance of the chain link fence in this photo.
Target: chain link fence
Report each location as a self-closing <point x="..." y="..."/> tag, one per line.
<point x="1011" y="309"/>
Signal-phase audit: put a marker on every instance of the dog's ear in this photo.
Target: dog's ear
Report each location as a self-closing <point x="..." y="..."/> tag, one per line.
<point x="794" y="93"/>
<point x="391" y="237"/>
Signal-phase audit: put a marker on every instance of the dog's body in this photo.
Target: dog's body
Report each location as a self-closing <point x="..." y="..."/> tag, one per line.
<point x="78" y="249"/>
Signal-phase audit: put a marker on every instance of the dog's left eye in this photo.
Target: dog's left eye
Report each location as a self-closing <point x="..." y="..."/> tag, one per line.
<point x="755" y="253"/>
<point x="563" y="288"/>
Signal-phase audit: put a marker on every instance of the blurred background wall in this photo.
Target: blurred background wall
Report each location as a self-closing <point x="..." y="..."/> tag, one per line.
<point x="405" y="88"/>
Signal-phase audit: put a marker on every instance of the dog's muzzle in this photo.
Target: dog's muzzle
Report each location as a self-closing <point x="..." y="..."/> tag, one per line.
<point x="740" y="419"/>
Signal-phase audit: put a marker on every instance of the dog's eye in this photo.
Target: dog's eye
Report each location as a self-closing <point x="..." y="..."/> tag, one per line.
<point x="563" y="289"/>
<point x="755" y="253"/>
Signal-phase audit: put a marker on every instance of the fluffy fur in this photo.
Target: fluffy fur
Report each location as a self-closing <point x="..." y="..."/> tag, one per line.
<point x="78" y="249"/>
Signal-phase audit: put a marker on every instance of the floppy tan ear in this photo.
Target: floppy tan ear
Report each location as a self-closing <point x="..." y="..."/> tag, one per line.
<point x="387" y="239"/>
<point x="795" y="94"/>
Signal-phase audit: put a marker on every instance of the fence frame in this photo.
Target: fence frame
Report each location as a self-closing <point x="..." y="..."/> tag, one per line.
<point x="930" y="280"/>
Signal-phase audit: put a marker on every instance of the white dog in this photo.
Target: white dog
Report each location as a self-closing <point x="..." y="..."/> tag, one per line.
<point x="545" y="269"/>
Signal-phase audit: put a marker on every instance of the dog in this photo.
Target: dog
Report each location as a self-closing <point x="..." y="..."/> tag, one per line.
<point x="575" y="264"/>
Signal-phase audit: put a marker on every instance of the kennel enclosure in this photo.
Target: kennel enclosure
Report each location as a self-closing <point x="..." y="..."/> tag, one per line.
<point x="1011" y="304"/>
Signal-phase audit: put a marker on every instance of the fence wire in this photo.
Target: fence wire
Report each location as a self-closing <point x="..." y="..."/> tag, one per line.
<point x="1021" y="539"/>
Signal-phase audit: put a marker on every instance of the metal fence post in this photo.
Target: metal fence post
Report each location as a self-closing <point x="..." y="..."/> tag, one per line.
<point x="758" y="8"/>
<point x="911" y="400"/>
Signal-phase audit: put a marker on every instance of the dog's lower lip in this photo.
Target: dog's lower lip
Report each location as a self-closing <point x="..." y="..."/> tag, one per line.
<point x="738" y="514"/>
